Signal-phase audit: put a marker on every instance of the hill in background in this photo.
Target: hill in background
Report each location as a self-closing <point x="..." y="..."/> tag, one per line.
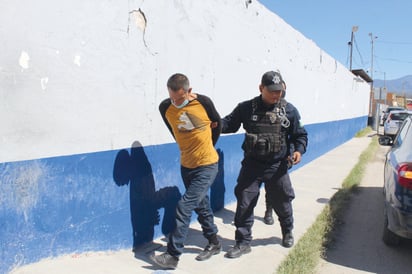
<point x="399" y="86"/>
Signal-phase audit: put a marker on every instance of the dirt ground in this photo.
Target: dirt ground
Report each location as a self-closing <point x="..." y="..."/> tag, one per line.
<point x="357" y="245"/>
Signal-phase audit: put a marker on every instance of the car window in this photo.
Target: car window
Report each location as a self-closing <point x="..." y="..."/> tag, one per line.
<point x="399" y="116"/>
<point x="404" y="134"/>
<point x="393" y="108"/>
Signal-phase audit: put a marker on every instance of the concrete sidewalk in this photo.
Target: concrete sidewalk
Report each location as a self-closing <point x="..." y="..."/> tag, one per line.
<point x="314" y="184"/>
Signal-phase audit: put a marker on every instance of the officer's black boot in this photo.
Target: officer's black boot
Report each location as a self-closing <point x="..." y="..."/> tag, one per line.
<point x="268" y="219"/>
<point x="287" y="239"/>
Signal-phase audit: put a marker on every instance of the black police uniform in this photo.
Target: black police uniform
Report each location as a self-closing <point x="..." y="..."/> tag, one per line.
<point x="270" y="133"/>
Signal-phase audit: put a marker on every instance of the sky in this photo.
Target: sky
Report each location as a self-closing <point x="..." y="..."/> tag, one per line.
<point x="385" y="26"/>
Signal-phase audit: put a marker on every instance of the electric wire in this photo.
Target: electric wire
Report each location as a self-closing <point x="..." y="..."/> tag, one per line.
<point x="359" y="53"/>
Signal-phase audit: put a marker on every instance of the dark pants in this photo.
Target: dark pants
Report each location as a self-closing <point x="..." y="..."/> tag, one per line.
<point x="280" y="196"/>
<point x="268" y="205"/>
<point x="197" y="182"/>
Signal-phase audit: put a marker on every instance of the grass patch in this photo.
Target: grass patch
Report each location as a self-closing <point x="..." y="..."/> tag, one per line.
<point x="363" y="132"/>
<point x="305" y="255"/>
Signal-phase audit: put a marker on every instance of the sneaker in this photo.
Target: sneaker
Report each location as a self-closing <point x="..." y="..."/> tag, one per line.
<point x="287" y="240"/>
<point x="210" y="249"/>
<point x="165" y="260"/>
<point x="238" y="250"/>
<point x="268" y="219"/>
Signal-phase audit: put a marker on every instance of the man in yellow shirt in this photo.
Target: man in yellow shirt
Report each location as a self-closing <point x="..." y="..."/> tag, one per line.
<point x="195" y="125"/>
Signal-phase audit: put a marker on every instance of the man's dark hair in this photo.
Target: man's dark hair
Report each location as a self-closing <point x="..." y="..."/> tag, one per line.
<point x="178" y="81"/>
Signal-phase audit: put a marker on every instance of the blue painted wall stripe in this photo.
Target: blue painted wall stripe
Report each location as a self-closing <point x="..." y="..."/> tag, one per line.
<point x="115" y="199"/>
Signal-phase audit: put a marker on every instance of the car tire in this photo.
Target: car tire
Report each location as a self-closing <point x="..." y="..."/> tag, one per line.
<point x="388" y="237"/>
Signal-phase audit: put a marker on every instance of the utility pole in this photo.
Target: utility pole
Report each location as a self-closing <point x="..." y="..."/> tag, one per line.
<point x="372" y="40"/>
<point x="354" y="29"/>
<point x="374" y="125"/>
<point x="384" y="85"/>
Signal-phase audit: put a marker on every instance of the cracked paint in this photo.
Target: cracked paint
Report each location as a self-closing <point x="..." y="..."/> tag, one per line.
<point x="138" y="18"/>
<point x="24" y="60"/>
<point x="43" y="82"/>
<point x="76" y="60"/>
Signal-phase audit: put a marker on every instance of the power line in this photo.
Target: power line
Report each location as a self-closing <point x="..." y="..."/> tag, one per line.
<point x="394" y="60"/>
<point x="360" y="55"/>
<point x="392" y="42"/>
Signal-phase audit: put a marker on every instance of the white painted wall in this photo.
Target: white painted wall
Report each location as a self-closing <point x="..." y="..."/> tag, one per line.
<point x="82" y="76"/>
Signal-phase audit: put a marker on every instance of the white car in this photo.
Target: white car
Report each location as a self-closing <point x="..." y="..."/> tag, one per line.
<point x="385" y="113"/>
<point x="394" y="121"/>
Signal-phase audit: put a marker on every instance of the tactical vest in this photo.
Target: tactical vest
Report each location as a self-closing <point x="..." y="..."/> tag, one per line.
<point x="264" y="135"/>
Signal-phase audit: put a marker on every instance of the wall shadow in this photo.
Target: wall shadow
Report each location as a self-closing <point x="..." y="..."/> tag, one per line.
<point x="135" y="170"/>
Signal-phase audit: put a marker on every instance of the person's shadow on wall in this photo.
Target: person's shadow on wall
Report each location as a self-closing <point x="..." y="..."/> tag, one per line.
<point x="135" y="169"/>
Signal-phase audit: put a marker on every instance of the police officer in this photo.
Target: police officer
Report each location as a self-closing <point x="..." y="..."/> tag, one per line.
<point x="272" y="128"/>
